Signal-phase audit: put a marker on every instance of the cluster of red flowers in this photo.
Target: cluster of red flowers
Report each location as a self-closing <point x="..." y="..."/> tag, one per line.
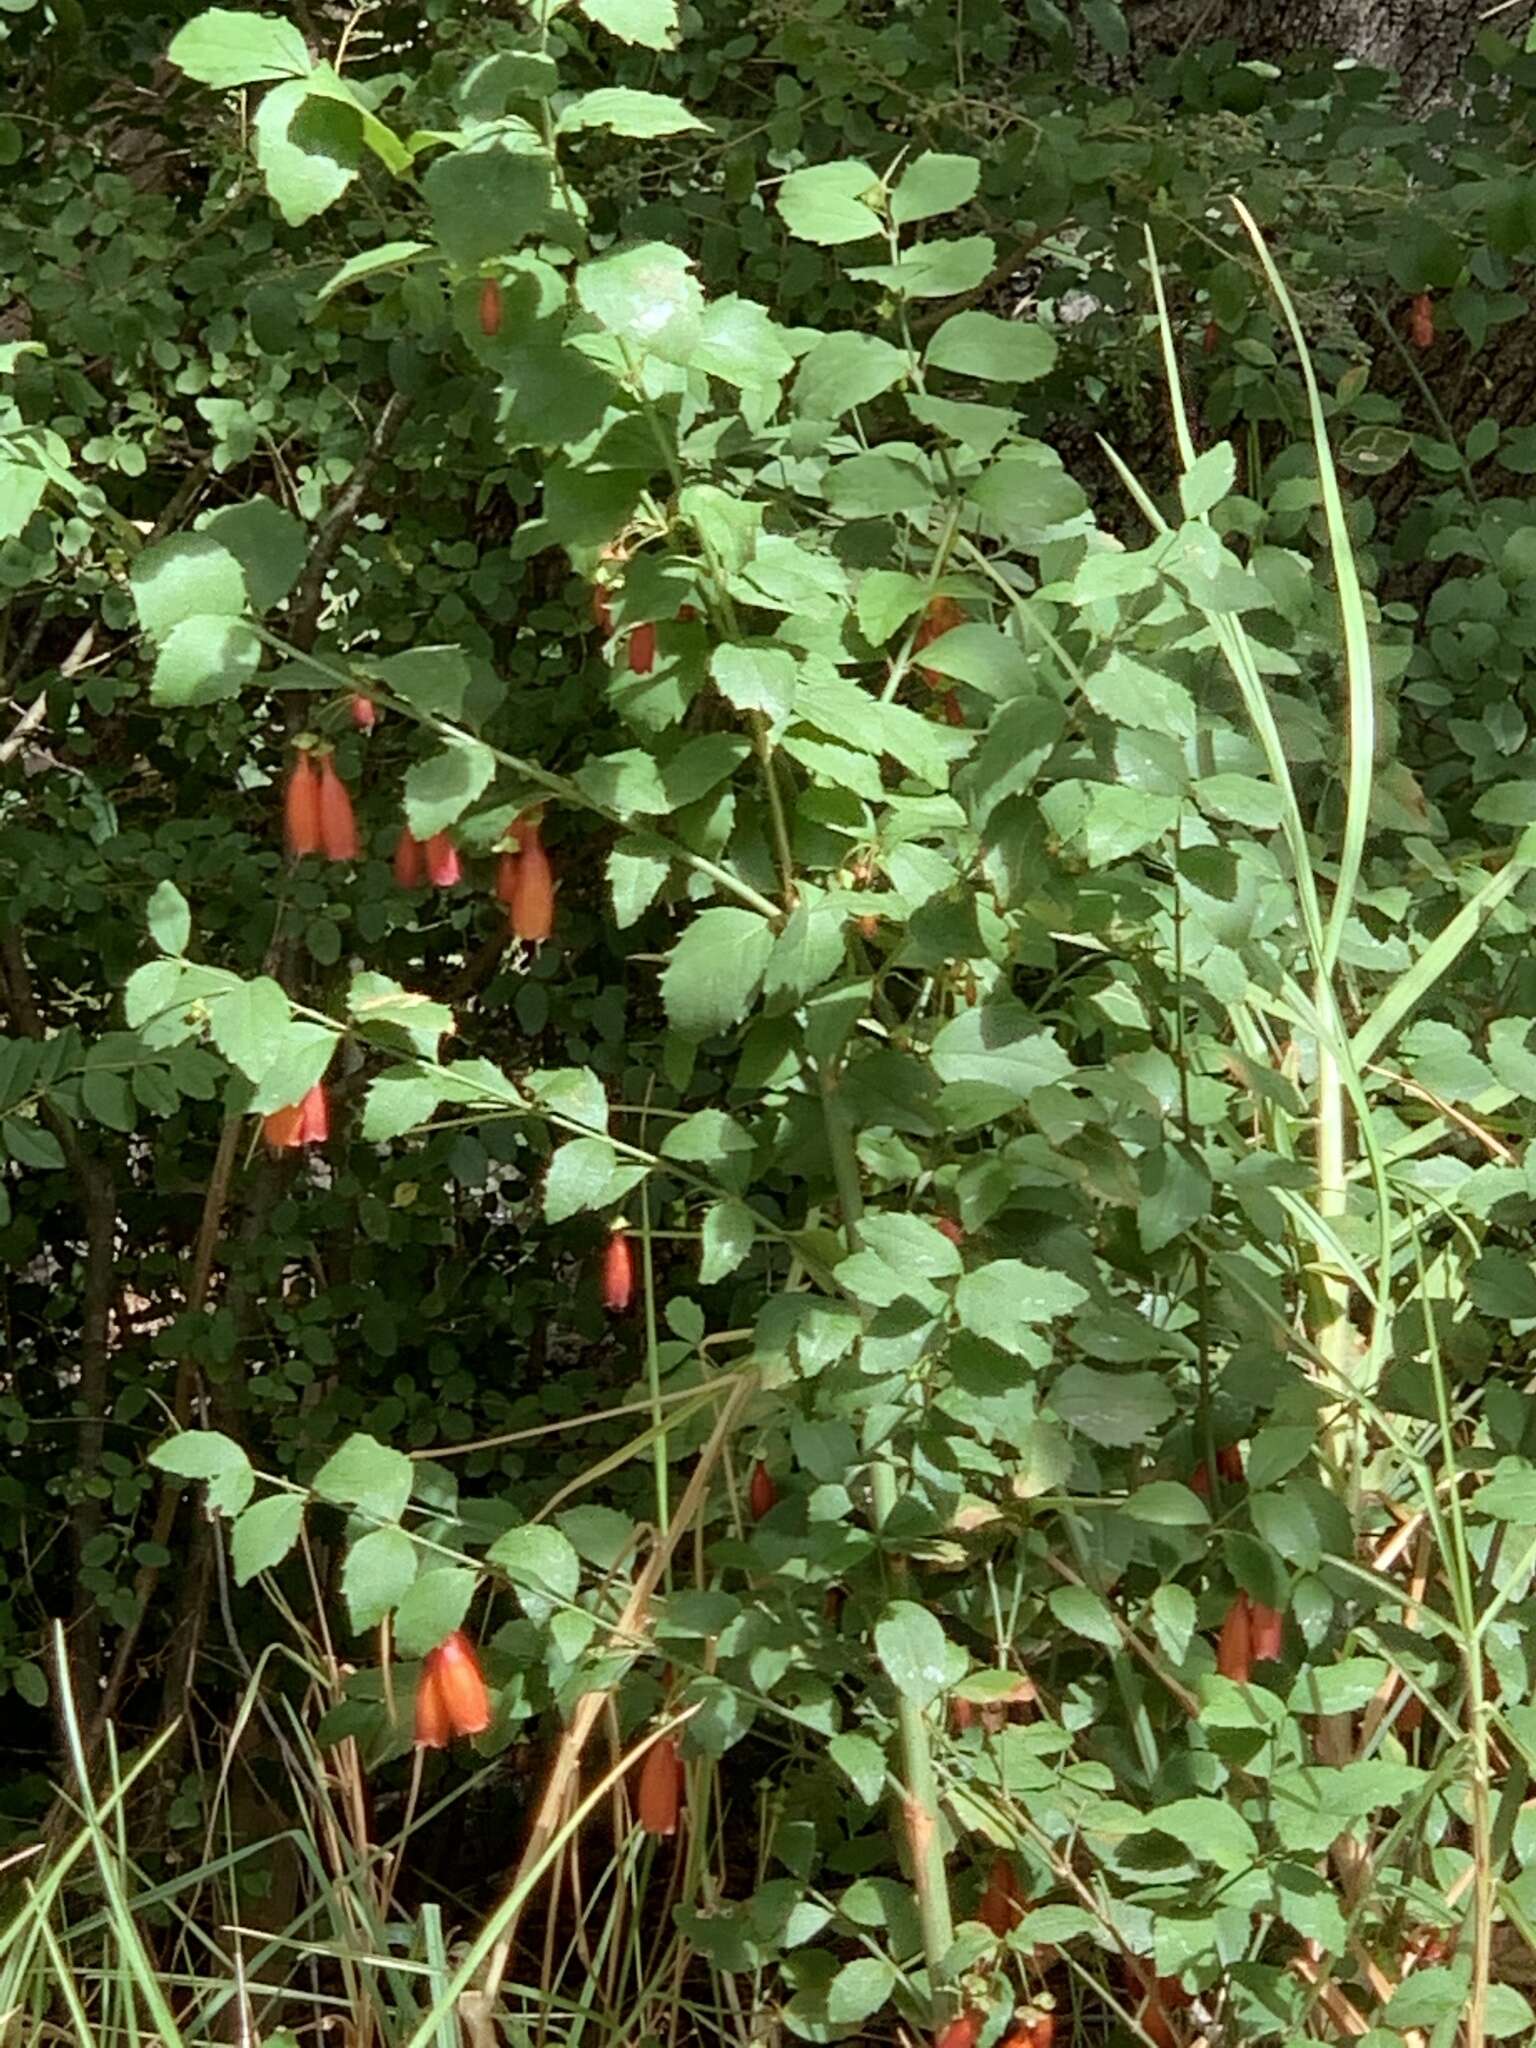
<point x="451" y="1699"/>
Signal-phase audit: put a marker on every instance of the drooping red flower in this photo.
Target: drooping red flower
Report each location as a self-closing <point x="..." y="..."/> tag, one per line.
<point x="618" y="1273"/>
<point x="1036" y="2032"/>
<point x="964" y="2032"/>
<point x="338" y="827"/>
<point x="307" y="1122"/>
<point x="301" y="807"/>
<point x="409" y="865"/>
<point x="947" y="1226"/>
<point x="454" y="1669"/>
<point x="506" y="877"/>
<point x="941" y="615"/>
<point x="490" y="308"/>
<point x="1002" y="1903"/>
<point x="532" y="905"/>
<point x="1266" y="1632"/>
<point x="1234" y="1646"/>
<point x="761" y="1492"/>
<point x="432" y="1726"/>
<point x="642" y="649"/>
<point x="659" y="1793"/>
<point x="442" y="861"/>
<point x="365" y="713"/>
<point x="1421" y="321"/>
<point x="1229" y="1463"/>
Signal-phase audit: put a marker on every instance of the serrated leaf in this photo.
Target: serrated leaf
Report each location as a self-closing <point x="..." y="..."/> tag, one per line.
<point x="825" y="204"/>
<point x="377" y="1575"/>
<point x="542" y="1563"/>
<point x="440" y="789"/>
<point x="997" y="351"/>
<point x="626" y="110"/>
<point x="651" y="23"/>
<point x="400" y="1100"/>
<point x="1112" y="1408"/>
<point x="224" y="49"/>
<point x="934" y="183"/>
<point x="726" y="1238"/>
<point x="366" y="1474"/>
<point x="264" y="1534"/>
<point x="1005" y="1300"/>
<point x="859" y="1990"/>
<point x="714" y="971"/>
<point x="433" y="1608"/>
<point x="580" y="1177"/>
<point x="911" y="1645"/>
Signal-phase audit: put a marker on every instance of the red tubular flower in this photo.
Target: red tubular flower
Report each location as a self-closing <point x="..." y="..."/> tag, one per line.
<point x="432" y="1727"/>
<point x="301" y="1123"/>
<point x="410" y="867"/>
<point x="301" y="807"/>
<point x="442" y="861"/>
<point x="659" y="1794"/>
<point x="315" y="1116"/>
<point x="506" y="877"/>
<point x="533" y="886"/>
<point x="1002" y="1903"/>
<point x="761" y="1493"/>
<point x="618" y="1273"/>
<point x="948" y="1227"/>
<point x="964" y="2032"/>
<point x="1234" y="1647"/>
<point x="365" y="713"/>
<point x="454" y="1670"/>
<point x="1421" y="321"/>
<point x="1039" y="2032"/>
<point x="338" y="827"/>
<point x="642" y="649"/>
<point x="1229" y="1463"/>
<point x="490" y="308"/>
<point x="1266" y="1632"/>
<point x="282" y="1128"/>
<point x="941" y="615"/>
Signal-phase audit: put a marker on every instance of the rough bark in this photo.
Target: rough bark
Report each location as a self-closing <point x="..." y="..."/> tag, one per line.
<point x="1424" y="41"/>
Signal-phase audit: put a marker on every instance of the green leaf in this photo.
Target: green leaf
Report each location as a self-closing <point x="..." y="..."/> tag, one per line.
<point x="488" y="199"/>
<point x="862" y="1762"/>
<point x="433" y="1608"/>
<point x="739" y="343"/>
<point x="387" y="256"/>
<point x="185" y="578"/>
<point x="1509" y="1492"/>
<point x="807" y="952"/>
<point x="1132" y="694"/>
<point x="1083" y="1612"/>
<point x="542" y="1563"/>
<point x="1163" y="1502"/>
<point x="264" y="1534"/>
<point x="366" y="1474"/>
<point x="1116" y="1408"/>
<point x="997" y="1055"/>
<point x="759" y="678"/>
<point x="918" y="1660"/>
<point x="727" y="1235"/>
<point x="935" y="270"/>
<point x="170" y="921"/>
<point x="249" y="1023"/>
<point x="714" y="971"/>
<point x="1004" y="1300"/>
<point x="441" y="788"/>
<point x="628" y="111"/>
<point x="934" y="183"/>
<point x="1210" y="478"/>
<point x="637" y="874"/>
<point x="224" y="49"/>
<point x="580" y="1177"/>
<point x="109" y="1099"/>
<point x="399" y="1101"/>
<point x="200" y="1454"/>
<point x="996" y="350"/>
<point x="825" y="204"/>
<point x="845" y="369"/>
<point x="203" y="660"/>
<point x="1213" y="1829"/>
<point x="379" y="1572"/>
<point x="30" y="1145"/>
<point x="859" y="1990"/>
<point x="309" y="147"/>
<point x="270" y="545"/>
<point x="651" y="23"/>
<point x="432" y="679"/>
<point x="649" y="296"/>
<point x="295" y="1063"/>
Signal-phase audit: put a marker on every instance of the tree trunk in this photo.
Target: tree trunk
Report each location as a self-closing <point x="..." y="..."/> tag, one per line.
<point x="1424" y="41"/>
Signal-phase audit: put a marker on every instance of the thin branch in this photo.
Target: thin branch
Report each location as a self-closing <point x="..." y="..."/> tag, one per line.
<point x="304" y="612"/>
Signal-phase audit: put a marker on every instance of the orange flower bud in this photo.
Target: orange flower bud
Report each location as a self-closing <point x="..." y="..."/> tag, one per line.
<point x="301" y="807"/>
<point x="659" y="1794"/>
<point x="948" y="1227"/>
<point x="302" y="1123"/>
<point x="1002" y="1903"/>
<point x="533" y="886"/>
<point x="642" y="649"/>
<point x="490" y="308"/>
<point x="442" y="861"/>
<point x="618" y="1273"/>
<point x="964" y="2032"/>
<point x="338" y="827"/>
<point x="762" y="1493"/>
<point x="365" y="713"/>
<point x="410" y="868"/>
<point x="1234" y="1647"/>
<point x="455" y="1671"/>
<point x="432" y="1729"/>
<point x="1266" y="1632"/>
